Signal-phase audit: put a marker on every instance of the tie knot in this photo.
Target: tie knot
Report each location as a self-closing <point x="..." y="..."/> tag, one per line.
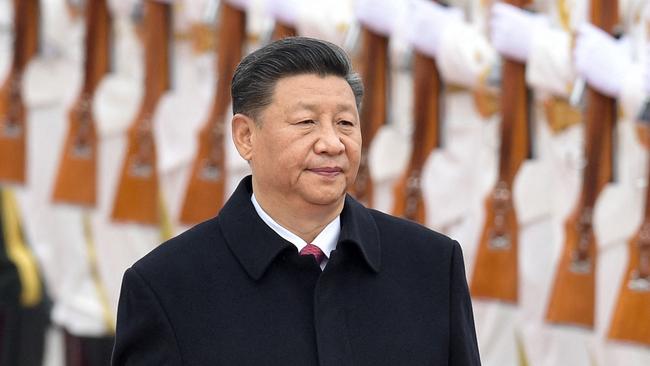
<point x="311" y="249"/>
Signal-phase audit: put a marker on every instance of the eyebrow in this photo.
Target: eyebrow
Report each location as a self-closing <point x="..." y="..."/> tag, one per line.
<point x="315" y="106"/>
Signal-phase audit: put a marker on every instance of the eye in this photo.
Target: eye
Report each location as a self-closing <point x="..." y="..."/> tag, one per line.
<point x="306" y="122"/>
<point x="346" y="123"/>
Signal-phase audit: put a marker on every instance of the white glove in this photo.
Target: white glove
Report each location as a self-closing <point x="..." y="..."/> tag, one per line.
<point x="286" y="11"/>
<point x="464" y="55"/>
<point x="549" y="68"/>
<point x="429" y="21"/>
<point x="239" y="4"/>
<point x="512" y="30"/>
<point x="380" y="16"/>
<point x="326" y="20"/>
<point x="601" y="60"/>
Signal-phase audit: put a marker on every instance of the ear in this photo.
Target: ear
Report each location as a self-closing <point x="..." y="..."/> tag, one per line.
<point x="243" y="128"/>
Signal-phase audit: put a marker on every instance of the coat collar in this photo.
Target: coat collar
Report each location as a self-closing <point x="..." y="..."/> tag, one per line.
<point x="255" y="245"/>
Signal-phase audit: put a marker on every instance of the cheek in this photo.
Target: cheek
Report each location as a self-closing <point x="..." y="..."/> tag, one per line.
<point x="267" y="159"/>
<point x="353" y="147"/>
<point x="290" y="153"/>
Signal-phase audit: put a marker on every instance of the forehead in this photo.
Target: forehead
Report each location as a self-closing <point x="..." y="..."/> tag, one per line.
<point x="313" y="90"/>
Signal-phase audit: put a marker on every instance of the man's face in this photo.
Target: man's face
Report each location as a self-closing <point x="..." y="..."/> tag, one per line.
<point x="307" y="147"/>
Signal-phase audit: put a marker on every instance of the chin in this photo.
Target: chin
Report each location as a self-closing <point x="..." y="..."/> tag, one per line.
<point x="326" y="197"/>
<point x="327" y="201"/>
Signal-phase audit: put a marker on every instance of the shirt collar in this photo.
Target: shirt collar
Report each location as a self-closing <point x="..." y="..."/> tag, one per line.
<point x="255" y="244"/>
<point x="325" y="240"/>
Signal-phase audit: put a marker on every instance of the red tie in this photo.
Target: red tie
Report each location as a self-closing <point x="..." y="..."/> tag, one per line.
<point x="311" y="249"/>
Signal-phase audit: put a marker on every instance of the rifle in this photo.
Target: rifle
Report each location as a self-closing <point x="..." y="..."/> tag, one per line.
<point x="496" y="266"/>
<point x="573" y="295"/>
<point x="13" y="129"/>
<point x="137" y="194"/>
<point x="631" y="319"/>
<point x="205" y="190"/>
<point x="427" y="116"/>
<point x="373" y="66"/>
<point x="77" y="174"/>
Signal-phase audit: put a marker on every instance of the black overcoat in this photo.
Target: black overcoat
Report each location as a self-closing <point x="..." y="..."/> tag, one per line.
<point x="230" y="291"/>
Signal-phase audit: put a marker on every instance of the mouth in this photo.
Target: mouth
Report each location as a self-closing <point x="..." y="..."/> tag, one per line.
<point x="329" y="172"/>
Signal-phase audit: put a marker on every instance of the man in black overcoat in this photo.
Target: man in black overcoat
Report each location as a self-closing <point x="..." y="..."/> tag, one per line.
<point x="293" y="271"/>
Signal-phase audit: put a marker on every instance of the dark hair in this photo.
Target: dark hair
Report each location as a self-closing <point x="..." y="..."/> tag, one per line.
<point x="255" y="77"/>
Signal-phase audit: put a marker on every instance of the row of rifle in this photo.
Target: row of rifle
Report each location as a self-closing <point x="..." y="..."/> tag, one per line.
<point x="572" y="298"/>
<point x="76" y="181"/>
<point x="496" y="270"/>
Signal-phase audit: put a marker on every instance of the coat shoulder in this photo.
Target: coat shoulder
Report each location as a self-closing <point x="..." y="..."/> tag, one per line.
<point x="395" y="230"/>
<point x="182" y="251"/>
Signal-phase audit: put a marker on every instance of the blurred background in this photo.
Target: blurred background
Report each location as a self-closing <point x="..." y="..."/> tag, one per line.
<point x="518" y="128"/>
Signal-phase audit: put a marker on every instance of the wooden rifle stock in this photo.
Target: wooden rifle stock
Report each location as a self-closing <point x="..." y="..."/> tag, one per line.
<point x="631" y="319"/>
<point x="76" y="180"/>
<point x="373" y="67"/>
<point x="407" y="193"/>
<point x="13" y="129"/>
<point x="495" y="273"/>
<point x="137" y="194"/>
<point x="205" y="191"/>
<point x="573" y="296"/>
<point x="427" y="115"/>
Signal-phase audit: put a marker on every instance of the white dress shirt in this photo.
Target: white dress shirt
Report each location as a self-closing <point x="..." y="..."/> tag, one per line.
<point x="326" y="239"/>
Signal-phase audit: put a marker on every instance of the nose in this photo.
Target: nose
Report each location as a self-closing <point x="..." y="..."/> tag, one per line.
<point x="329" y="142"/>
